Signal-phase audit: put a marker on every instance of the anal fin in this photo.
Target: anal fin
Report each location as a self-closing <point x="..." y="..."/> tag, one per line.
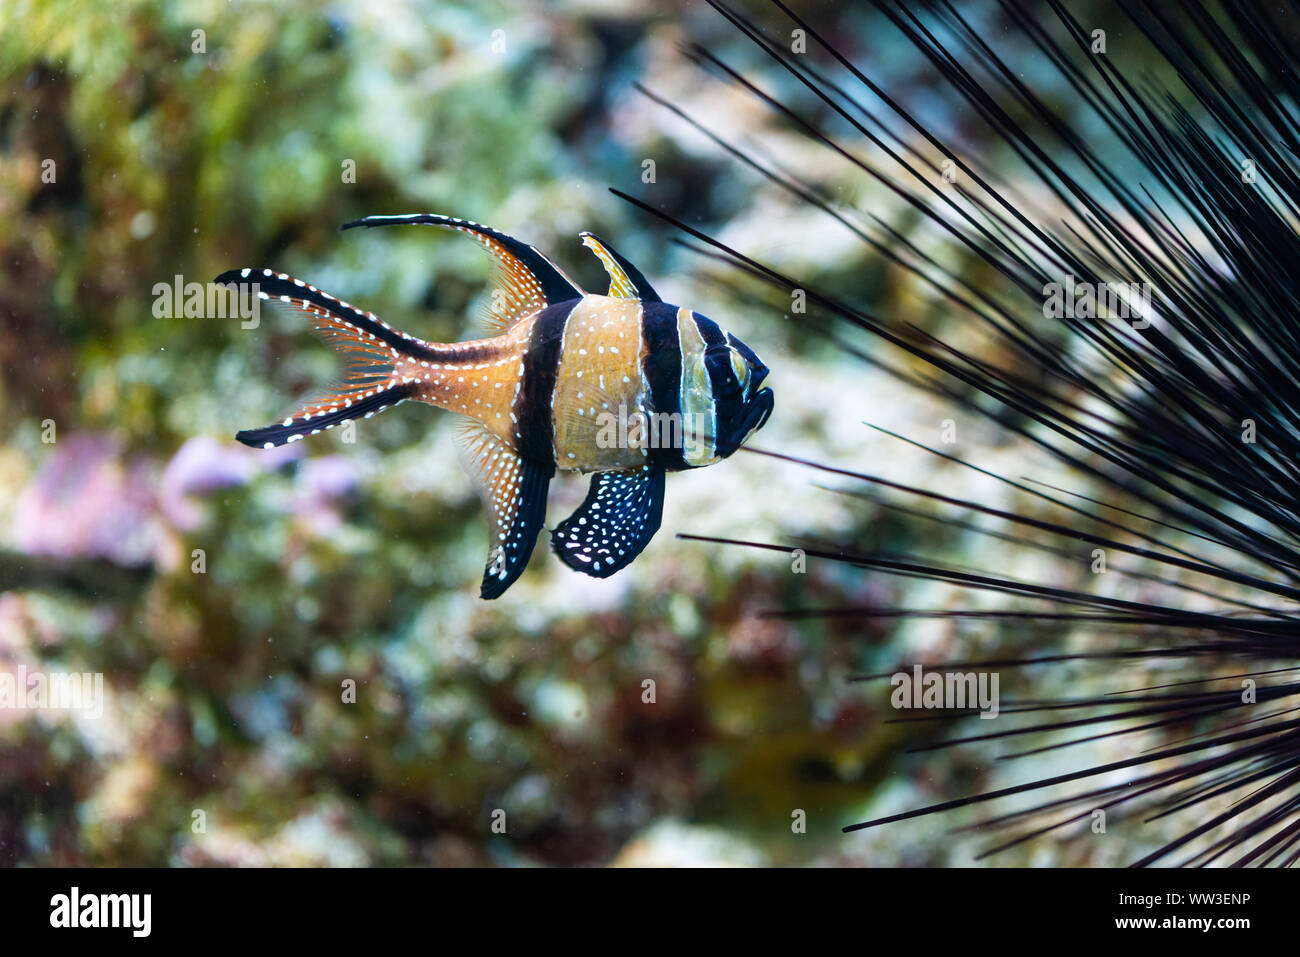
<point x="514" y="493"/>
<point x="615" y="522"/>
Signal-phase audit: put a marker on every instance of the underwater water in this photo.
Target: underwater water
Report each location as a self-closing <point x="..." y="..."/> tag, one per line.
<point x="291" y="662"/>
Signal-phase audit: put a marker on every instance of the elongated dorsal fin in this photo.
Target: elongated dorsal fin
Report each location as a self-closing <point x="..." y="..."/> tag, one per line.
<point x="526" y="280"/>
<point x="625" y="280"/>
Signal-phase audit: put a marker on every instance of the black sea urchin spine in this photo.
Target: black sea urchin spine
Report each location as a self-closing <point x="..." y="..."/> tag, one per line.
<point x="1179" y="422"/>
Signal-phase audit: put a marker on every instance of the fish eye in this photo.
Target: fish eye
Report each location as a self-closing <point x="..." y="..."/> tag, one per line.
<point x="741" y="368"/>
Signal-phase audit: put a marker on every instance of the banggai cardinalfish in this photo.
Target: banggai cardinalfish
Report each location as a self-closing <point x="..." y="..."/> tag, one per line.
<point x="623" y="385"/>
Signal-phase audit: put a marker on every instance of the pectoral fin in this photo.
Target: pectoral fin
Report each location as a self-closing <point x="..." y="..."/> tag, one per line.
<point x="514" y="494"/>
<point x="614" y="524"/>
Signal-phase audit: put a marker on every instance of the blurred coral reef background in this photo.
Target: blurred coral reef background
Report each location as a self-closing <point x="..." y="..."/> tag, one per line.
<point x="227" y="595"/>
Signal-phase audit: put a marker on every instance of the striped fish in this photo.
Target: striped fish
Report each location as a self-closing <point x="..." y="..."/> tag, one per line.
<point x="622" y="385"/>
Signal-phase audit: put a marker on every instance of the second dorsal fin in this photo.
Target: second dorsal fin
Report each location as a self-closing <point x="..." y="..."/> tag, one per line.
<point x="625" y="280"/>
<point x="527" y="281"/>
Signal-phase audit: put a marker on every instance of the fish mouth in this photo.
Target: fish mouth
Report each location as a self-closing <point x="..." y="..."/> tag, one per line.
<point x="754" y="417"/>
<point x="760" y="409"/>
<point x="757" y="412"/>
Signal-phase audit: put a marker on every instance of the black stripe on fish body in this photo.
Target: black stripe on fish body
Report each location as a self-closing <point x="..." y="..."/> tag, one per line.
<point x="280" y="286"/>
<point x="535" y="425"/>
<point x="295" y="428"/>
<point x="728" y="395"/>
<point x="661" y="363"/>
<point x="710" y="332"/>
<point x="727" y="390"/>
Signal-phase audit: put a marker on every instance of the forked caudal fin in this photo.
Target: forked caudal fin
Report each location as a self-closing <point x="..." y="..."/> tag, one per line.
<point x="372" y="380"/>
